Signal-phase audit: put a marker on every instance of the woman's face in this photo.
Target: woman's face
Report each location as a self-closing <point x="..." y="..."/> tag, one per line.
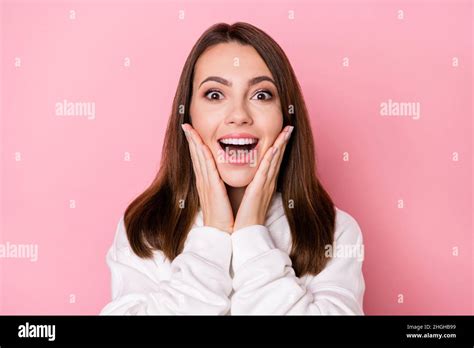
<point x="236" y="109"/>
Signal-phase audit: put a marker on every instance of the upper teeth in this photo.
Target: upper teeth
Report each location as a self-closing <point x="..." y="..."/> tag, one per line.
<point x="240" y="141"/>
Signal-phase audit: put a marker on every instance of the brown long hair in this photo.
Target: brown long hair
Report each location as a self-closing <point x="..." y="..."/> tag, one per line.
<point x="157" y="220"/>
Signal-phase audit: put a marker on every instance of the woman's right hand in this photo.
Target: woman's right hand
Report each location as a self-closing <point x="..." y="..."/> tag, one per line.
<point x="215" y="204"/>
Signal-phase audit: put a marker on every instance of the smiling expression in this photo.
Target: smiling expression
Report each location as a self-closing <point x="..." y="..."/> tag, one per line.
<point x="236" y="109"/>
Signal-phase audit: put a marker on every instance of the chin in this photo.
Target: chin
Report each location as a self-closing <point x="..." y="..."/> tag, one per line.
<point x="238" y="177"/>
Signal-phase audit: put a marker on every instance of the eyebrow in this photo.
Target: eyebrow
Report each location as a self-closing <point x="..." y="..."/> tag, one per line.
<point x="252" y="81"/>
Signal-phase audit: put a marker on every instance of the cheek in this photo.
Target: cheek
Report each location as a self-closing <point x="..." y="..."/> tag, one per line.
<point x="272" y="127"/>
<point x="204" y="125"/>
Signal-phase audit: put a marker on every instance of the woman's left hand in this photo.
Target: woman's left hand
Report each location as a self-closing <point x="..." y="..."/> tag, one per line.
<point x="258" y="194"/>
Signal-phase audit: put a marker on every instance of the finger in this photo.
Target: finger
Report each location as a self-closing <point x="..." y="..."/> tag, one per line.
<point x="192" y="150"/>
<point x="281" y="142"/>
<point x="262" y="171"/>
<point x="282" y="137"/>
<point x="210" y="165"/>
<point x="200" y="155"/>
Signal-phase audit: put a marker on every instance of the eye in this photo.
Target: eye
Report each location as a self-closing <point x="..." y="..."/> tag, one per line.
<point x="213" y="93"/>
<point x="262" y="93"/>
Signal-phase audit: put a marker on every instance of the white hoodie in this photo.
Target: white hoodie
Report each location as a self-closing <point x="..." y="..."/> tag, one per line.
<point x="246" y="272"/>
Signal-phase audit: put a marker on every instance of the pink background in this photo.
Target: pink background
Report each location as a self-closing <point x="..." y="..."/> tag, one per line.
<point x="408" y="250"/>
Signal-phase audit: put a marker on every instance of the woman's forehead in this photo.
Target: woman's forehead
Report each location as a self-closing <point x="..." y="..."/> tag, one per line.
<point x="230" y="61"/>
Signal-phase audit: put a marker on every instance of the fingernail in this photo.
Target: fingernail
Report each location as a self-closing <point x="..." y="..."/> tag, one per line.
<point x="288" y="133"/>
<point x="274" y="150"/>
<point x="186" y="132"/>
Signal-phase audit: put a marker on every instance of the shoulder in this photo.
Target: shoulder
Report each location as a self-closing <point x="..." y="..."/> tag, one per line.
<point x="121" y="244"/>
<point x="347" y="228"/>
<point x="126" y="266"/>
<point x="120" y="238"/>
<point x="121" y="251"/>
<point x="121" y="241"/>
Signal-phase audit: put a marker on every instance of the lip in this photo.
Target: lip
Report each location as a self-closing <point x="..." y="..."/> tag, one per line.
<point x="238" y="136"/>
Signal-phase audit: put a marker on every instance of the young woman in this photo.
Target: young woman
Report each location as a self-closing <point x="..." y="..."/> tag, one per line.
<point x="236" y="221"/>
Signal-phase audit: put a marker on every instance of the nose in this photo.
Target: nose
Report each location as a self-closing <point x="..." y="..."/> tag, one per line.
<point x="239" y="115"/>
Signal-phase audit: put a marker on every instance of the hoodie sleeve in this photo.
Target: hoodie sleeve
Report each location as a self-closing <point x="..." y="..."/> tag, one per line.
<point x="196" y="282"/>
<point x="265" y="282"/>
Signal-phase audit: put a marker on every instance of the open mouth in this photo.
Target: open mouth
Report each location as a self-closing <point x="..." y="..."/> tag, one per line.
<point x="238" y="144"/>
